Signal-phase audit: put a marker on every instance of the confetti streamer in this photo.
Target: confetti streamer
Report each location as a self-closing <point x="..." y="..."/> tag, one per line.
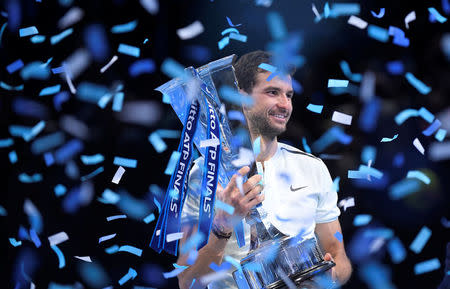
<point x="427" y="266"/>
<point x="129" y="163"/>
<point x="92" y="174"/>
<point x="437" y="15"/>
<point x="337" y="83"/>
<point x="410" y="18"/>
<point x="342" y="118"/>
<point x="16" y="65"/>
<point x="396" y="250"/>
<point x="84" y="258"/>
<point x="380" y="14"/>
<point x="150" y="218"/>
<point x="108" y="65"/>
<point x="361" y="220"/>
<point x="378" y="33"/>
<point x="231" y="23"/>
<point x="35" y="238"/>
<point x="357" y="22"/>
<point x="420" y="240"/>
<point x="124" y="28"/>
<point x="129" y="50"/>
<point x="419" y="85"/>
<point x="386" y="139"/>
<point x="419" y="175"/>
<point x="32" y="30"/>
<point x="118" y="175"/>
<point x="131" y="249"/>
<point x="224" y="206"/>
<point x="59" y="253"/>
<point x="191" y="31"/>
<point x="57" y="38"/>
<point x="112" y="218"/>
<point x="131" y="274"/>
<point x="418" y="146"/>
<point x="105" y="238"/>
<point x="58" y="238"/>
<point x="315" y="108"/>
<point x="174" y="236"/>
<point x="14" y="242"/>
<point x="173" y="273"/>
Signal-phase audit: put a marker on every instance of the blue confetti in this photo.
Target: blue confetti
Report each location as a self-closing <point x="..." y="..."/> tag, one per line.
<point x="426" y="115"/>
<point x="105" y="238"/>
<point x="14" y="242"/>
<point x="276" y="25"/>
<point x="129" y="50"/>
<point x="57" y="38"/>
<point x="50" y="90"/>
<point x="437" y="15"/>
<point x="432" y="128"/>
<point x="179" y="266"/>
<point x="60" y="190"/>
<point x="338" y="236"/>
<point x="32" y="30"/>
<point x="344" y="9"/>
<point x="337" y="83"/>
<point x="97" y="42"/>
<point x="236" y="115"/>
<point x="334" y="134"/>
<point x="361" y="220"/>
<point x="109" y="197"/>
<point x="224" y="206"/>
<point x="395" y="67"/>
<point x="192" y="242"/>
<point x="12" y="155"/>
<point x="35" y="178"/>
<point x="399" y="36"/>
<point x="158" y="205"/>
<point x="440" y="135"/>
<point x="35" y="238"/>
<point x="257" y="146"/>
<point x="112" y="218"/>
<point x="49" y="159"/>
<point x="158" y="144"/>
<point x="231" y="23"/>
<point x="427" y="266"/>
<point x="94" y="275"/>
<point x="61" y="259"/>
<point x="16" y="65"/>
<point x="92" y="159"/>
<point x="345" y="67"/>
<point x="403" y="188"/>
<point x="92" y="174"/>
<point x="326" y="10"/>
<point x="223" y="267"/>
<point x="58" y="70"/>
<point x="4" y="143"/>
<point x="315" y="108"/>
<point x="268" y="67"/>
<point x="37" y="39"/>
<point x="368" y="153"/>
<point x="60" y="98"/>
<point x="192" y="257"/>
<point x="419" y="175"/>
<point x="124" y="162"/>
<point x="223" y="42"/>
<point x="48" y="142"/>
<point x="335" y="187"/>
<point x="171" y="165"/>
<point x="124" y="28"/>
<point x="396" y="250"/>
<point x="68" y="151"/>
<point x="232" y="95"/>
<point x="305" y="145"/>
<point x="419" y="85"/>
<point x="402" y="116"/>
<point x="173" y="273"/>
<point x="238" y="37"/>
<point x="3" y="211"/>
<point x="142" y="66"/>
<point x="118" y="101"/>
<point x="35" y="130"/>
<point x="113" y="249"/>
<point x="35" y="70"/>
<point x="420" y="240"/>
<point x="131" y="274"/>
<point x="386" y="139"/>
<point x="380" y="14"/>
<point x="172" y="68"/>
<point x="9" y="87"/>
<point x="131" y="249"/>
<point x="150" y="218"/>
<point x="378" y="33"/>
<point x="376" y="276"/>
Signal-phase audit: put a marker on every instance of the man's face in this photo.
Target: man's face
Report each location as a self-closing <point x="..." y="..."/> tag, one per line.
<point x="272" y="105"/>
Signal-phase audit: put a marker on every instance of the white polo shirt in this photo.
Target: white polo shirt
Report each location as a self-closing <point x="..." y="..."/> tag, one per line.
<point x="298" y="192"/>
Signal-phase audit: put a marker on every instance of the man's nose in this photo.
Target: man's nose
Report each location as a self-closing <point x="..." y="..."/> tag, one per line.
<point x="284" y="101"/>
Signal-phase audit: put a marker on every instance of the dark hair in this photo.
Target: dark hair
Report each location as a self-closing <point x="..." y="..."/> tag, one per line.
<point x="246" y="68"/>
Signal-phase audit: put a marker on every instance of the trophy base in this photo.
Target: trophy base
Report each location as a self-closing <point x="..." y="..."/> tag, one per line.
<point x="301" y="277"/>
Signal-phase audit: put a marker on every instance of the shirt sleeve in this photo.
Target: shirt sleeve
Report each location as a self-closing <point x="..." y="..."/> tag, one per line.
<point x="327" y="210"/>
<point x="190" y="211"/>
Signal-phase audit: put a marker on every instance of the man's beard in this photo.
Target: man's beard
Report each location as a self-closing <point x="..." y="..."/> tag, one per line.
<point x="260" y="124"/>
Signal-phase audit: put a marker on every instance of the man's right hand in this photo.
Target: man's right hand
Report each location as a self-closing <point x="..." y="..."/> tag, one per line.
<point x="241" y="201"/>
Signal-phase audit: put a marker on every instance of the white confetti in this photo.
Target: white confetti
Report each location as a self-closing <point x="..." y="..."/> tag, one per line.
<point x="347" y="203"/>
<point x="152" y="6"/>
<point x="118" y="175"/>
<point x="357" y="22"/>
<point x="192" y="30"/>
<point x="209" y="142"/>
<point x="418" y="146"/>
<point x="84" y="258"/>
<point x="174" y="236"/>
<point x="409" y="18"/>
<point x="113" y="59"/>
<point x="58" y="238"/>
<point x="341" y="118"/>
<point x="72" y="16"/>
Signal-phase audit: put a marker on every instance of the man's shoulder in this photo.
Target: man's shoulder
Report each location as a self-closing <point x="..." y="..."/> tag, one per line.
<point x="295" y="152"/>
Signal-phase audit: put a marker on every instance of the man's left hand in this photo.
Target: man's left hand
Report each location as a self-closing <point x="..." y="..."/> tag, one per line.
<point x="328" y="257"/>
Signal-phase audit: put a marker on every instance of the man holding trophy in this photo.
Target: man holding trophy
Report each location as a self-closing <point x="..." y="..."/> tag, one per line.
<point x="290" y="233"/>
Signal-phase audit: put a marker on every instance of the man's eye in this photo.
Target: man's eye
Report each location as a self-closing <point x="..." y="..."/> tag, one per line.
<point x="272" y="92"/>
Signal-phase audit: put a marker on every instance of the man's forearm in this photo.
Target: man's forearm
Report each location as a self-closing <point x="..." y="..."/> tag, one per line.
<point x="343" y="268"/>
<point x="213" y="251"/>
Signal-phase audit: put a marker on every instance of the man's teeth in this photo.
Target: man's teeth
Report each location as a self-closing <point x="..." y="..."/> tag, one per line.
<point x="279" y="115"/>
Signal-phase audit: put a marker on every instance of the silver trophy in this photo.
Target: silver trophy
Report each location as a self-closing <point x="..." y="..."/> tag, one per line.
<point x="292" y="261"/>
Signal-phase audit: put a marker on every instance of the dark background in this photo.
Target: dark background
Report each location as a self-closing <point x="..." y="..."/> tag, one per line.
<point x="325" y="44"/>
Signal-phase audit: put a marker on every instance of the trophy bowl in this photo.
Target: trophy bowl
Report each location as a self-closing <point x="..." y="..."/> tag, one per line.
<point x="280" y="258"/>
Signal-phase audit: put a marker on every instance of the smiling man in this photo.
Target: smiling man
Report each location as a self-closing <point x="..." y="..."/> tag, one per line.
<point x="297" y="194"/>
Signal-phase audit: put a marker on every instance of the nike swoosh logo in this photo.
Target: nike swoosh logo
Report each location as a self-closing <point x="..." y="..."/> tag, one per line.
<point x="296" y="189"/>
